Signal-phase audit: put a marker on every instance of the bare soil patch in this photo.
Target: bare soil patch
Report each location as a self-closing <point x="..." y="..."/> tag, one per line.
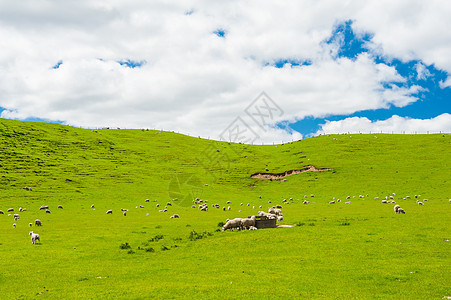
<point x="278" y="176"/>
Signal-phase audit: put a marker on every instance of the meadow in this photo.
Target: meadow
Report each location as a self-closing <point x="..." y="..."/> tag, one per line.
<point x="336" y="251"/>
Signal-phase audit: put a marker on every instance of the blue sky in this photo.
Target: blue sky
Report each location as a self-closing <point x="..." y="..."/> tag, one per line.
<point x="432" y="99"/>
<point x="196" y="66"/>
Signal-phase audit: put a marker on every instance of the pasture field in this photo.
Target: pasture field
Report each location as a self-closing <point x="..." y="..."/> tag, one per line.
<point x="336" y="251"/>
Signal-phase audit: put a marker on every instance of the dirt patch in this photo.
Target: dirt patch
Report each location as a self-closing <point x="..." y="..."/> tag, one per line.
<point x="279" y="176"/>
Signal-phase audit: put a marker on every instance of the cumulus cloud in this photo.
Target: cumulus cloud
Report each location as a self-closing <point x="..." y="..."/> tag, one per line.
<point x="395" y="124"/>
<point x="195" y="81"/>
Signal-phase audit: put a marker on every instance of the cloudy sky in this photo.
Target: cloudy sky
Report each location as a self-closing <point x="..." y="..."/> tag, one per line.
<point x="253" y="71"/>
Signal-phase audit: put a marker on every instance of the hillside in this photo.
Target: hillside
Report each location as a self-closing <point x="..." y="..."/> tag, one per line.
<point x="117" y="168"/>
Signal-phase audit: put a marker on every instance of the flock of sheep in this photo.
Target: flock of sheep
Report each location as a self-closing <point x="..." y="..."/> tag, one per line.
<point x="249" y="223"/>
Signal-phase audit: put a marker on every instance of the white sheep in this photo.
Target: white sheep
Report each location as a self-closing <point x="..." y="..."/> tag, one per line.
<point x="253" y="228"/>
<point x="396" y="207"/>
<point x="92" y="206"/>
<point x="331" y="202"/>
<point x="16" y="217"/>
<point x="124" y="213"/>
<point x="349" y="202"/>
<point x="14" y="225"/>
<point x="176" y="216"/>
<point x="229" y="202"/>
<point x="420" y="203"/>
<point x="30" y="224"/>
<point x="401" y="211"/>
<point x="60" y="206"/>
<point x="280" y="218"/>
<point x="2" y="213"/>
<point x="232" y="224"/>
<point x="110" y="211"/>
<point x="34" y="237"/>
<point x="247" y="222"/>
<point x="228" y="207"/>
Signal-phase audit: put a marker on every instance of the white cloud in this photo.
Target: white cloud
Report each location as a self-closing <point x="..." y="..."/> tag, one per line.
<point x="194" y="81"/>
<point x="396" y="124"/>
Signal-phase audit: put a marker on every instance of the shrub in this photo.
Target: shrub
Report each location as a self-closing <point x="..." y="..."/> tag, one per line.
<point x="125" y="246"/>
<point x="150" y="249"/>
<point x="300" y="224"/>
<point x="156" y="238"/>
<point x="131" y="251"/>
<point x="220" y="224"/>
<point x="164" y="248"/>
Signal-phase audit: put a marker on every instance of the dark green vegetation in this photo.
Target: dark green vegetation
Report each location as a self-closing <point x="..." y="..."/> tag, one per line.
<point x="339" y="251"/>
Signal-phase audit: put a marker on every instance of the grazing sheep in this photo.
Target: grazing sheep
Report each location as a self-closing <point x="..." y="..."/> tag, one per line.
<point x="14" y="225"/>
<point x="232" y="224"/>
<point x="24" y="209"/>
<point x="425" y="200"/>
<point x="175" y="216"/>
<point x="30" y="224"/>
<point x="420" y="203"/>
<point x="223" y="208"/>
<point x="229" y="202"/>
<point x="349" y="202"/>
<point x="401" y="211"/>
<point x="43" y="207"/>
<point x="265" y="215"/>
<point x="391" y="197"/>
<point x="278" y="212"/>
<point x="241" y="204"/>
<point x="1" y="212"/>
<point x="60" y="206"/>
<point x="348" y="197"/>
<point x="331" y="202"/>
<point x="280" y="218"/>
<point x="376" y="198"/>
<point x="92" y="206"/>
<point x="338" y="200"/>
<point x="147" y="200"/>
<point x="269" y="201"/>
<point x="247" y="222"/>
<point x="34" y="237"/>
<point x="158" y="205"/>
<point x="141" y="206"/>
<point x="384" y="201"/>
<point x="169" y="203"/>
<point x="194" y="206"/>
<point x="124" y="209"/>
<point x="37" y="222"/>
<point x="10" y="209"/>
<point x="278" y="206"/>
<point x="16" y="217"/>
<point x="20" y="209"/>
<point x="47" y="211"/>
<point x="110" y="211"/>
<point x="396" y="208"/>
<point x="305" y="202"/>
<point x="228" y="207"/>
<point x="124" y="213"/>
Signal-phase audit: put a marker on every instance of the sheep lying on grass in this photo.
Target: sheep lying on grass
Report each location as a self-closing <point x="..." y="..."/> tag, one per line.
<point x="34" y="237"/>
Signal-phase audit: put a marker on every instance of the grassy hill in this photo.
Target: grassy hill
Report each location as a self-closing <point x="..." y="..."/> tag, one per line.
<point x="337" y="250"/>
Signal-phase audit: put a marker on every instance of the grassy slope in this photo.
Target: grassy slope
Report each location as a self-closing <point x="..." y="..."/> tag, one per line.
<point x="379" y="254"/>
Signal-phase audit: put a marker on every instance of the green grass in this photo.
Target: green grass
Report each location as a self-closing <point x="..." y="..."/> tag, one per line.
<point x="338" y="251"/>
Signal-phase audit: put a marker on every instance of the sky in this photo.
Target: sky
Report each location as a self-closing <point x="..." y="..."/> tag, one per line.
<point x="242" y="71"/>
